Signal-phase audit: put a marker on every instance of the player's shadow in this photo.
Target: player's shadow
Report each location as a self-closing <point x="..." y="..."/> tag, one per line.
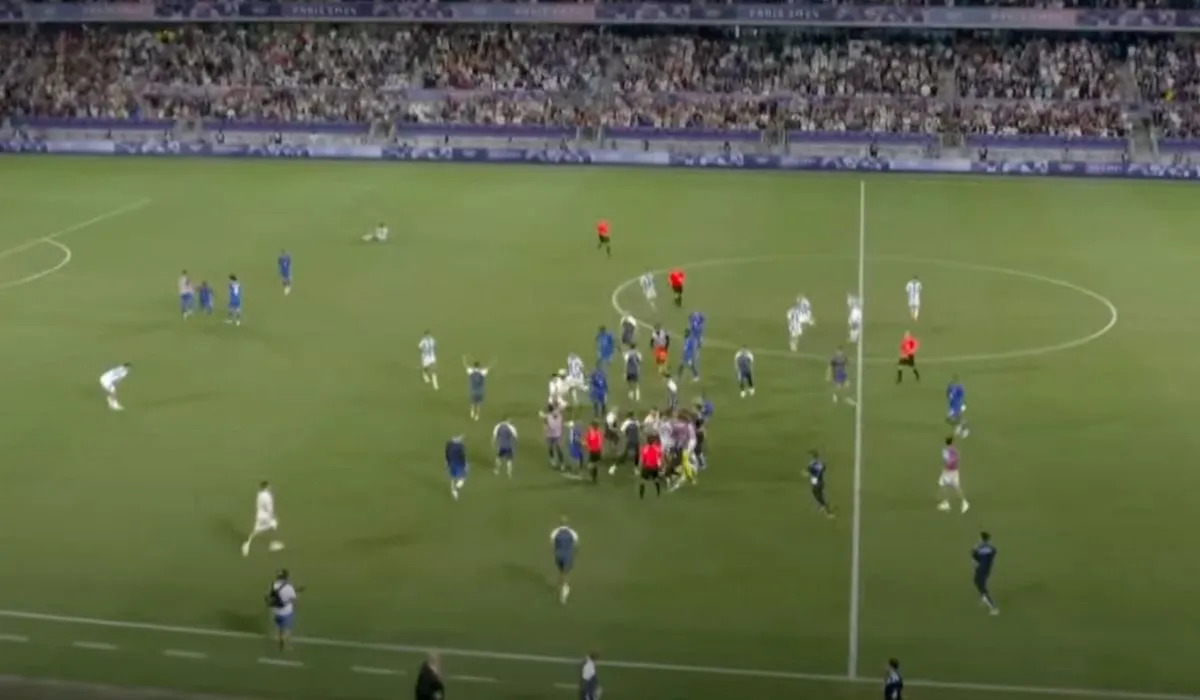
<point x="236" y="621"/>
<point x="225" y="529"/>
<point x="373" y="544"/>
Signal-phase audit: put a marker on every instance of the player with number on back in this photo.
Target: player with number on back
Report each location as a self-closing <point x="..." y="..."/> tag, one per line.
<point x="476" y="384"/>
<point x="956" y="400"/>
<point x="565" y="541"/>
<point x="598" y="392"/>
<point x="816" y="478"/>
<point x="456" y="464"/>
<point x="285" y="271"/>
<point x="949" y="482"/>
<point x="913" y="290"/>
<point x="428" y="349"/>
<point x="855" y="322"/>
<point x="743" y="366"/>
<point x="110" y="379"/>
<point x="606" y="345"/>
<point x="839" y="377"/>
<point x="696" y="326"/>
<point x="235" y="301"/>
<point x="984" y="555"/>
<point x="504" y="438"/>
<point x="629" y="326"/>
<point x="691" y="354"/>
<point x="603" y="237"/>
<point x="185" y="295"/>
<point x="205" y="293"/>
<point x="633" y="373"/>
<point x="264" y="519"/>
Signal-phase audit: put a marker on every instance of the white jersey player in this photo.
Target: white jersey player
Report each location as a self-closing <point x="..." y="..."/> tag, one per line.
<point x="576" y="376"/>
<point x="379" y="235"/>
<point x="856" y="317"/>
<point x="648" y="290"/>
<point x="798" y="317"/>
<point x="557" y="390"/>
<point x="110" y="379"/>
<point x="949" y="481"/>
<point x="264" y="519"/>
<point x="913" y="290"/>
<point x="428" y="349"/>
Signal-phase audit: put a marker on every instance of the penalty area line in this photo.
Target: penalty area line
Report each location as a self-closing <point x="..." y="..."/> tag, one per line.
<point x="1097" y="693"/>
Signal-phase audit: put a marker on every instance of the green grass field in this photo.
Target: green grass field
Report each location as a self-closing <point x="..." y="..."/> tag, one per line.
<point x="1079" y="462"/>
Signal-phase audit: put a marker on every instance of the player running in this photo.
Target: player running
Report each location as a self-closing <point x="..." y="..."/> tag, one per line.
<point x="110" y="379"/>
<point x="816" y="479"/>
<point x="949" y="482"/>
<point x="285" y="271"/>
<point x="456" y="464"/>
<point x="648" y="290"/>
<point x="186" y="296"/>
<point x="839" y="377"/>
<point x="633" y="373"/>
<point x="476" y="385"/>
<point x="743" y="366"/>
<point x="427" y="346"/>
<point x="908" y="357"/>
<point x="235" y="301"/>
<point x="629" y="326"/>
<point x="691" y="355"/>
<point x="264" y="519"/>
<point x="603" y="239"/>
<point x="504" y="439"/>
<point x="798" y="317"/>
<point x="576" y="377"/>
<point x="913" y="290"/>
<point x="855" y="321"/>
<point x="696" y="326"/>
<point x="956" y="406"/>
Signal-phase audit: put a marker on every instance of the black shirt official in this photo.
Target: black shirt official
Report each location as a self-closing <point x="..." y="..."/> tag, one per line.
<point x="429" y="680"/>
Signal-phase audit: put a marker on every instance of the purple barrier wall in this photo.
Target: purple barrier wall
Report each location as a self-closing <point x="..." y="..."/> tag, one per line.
<point x="104" y="124"/>
<point x="511" y="131"/>
<point x="644" y="133"/>
<point x="860" y="138"/>
<point x="1178" y="145"/>
<point x="1035" y="141"/>
<point x="288" y="127"/>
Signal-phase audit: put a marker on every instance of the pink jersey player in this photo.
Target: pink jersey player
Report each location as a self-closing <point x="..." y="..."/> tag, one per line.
<point x="949" y="481"/>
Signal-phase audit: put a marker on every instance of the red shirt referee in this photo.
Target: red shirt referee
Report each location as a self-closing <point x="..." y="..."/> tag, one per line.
<point x="602" y="237"/>
<point x="594" y="439"/>
<point x="652" y="455"/>
<point x="908" y="357"/>
<point x="675" y="279"/>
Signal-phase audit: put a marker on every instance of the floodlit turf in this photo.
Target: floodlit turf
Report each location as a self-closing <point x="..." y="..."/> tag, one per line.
<point x="1080" y="462"/>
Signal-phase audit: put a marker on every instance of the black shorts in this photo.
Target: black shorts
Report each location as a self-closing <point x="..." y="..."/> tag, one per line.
<point x="630" y="456"/>
<point x="594" y="457"/>
<point x="602" y="238"/>
<point x="910" y="361"/>
<point x="649" y="474"/>
<point x="677" y="288"/>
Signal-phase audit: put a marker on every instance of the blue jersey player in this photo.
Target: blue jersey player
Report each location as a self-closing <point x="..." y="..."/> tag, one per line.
<point x="816" y="479"/>
<point x="598" y="392"/>
<point x="743" y="365"/>
<point x="456" y="464"/>
<point x="575" y="446"/>
<point x="956" y="406"/>
<point x="606" y="345"/>
<point x="476" y="385"/>
<point x="206" y="298"/>
<point x="839" y="377"/>
<point x="564" y="541"/>
<point x="504" y="438"/>
<point x="285" y="271"/>
<point x="696" y="323"/>
<point x="186" y="298"/>
<point x="235" y="301"/>
<point x="691" y="354"/>
<point x="984" y="555"/>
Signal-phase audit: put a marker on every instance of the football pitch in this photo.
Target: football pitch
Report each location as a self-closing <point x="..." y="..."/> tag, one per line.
<point x="1064" y="306"/>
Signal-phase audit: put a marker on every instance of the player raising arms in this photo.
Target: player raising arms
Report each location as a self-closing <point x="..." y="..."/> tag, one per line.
<point x="504" y="438"/>
<point x="660" y="340"/>
<point x="428" y="348"/>
<point x="956" y="406"/>
<point x="633" y="373"/>
<point x="285" y="271"/>
<point x="839" y="377"/>
<point x="629" y="326"/>
<point x="949" y="482"/>
<point x="264" y="519"/>
<point x="913" y="290"/>
<point x="576" y="377"/>
<point x="908" y="357"/>
<point x="476" y="384"/>
<point x="743" y="366"/>
<point x="110" y="379"/>
<point x="186" y="297"/>
<point x="648" y="290"/>
<point x="855" y="322"/>
<point x="603" y="238"/>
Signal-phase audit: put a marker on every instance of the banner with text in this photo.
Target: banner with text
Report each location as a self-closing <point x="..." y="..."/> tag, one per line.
<point x="608" y="13"/>
<point x="607" y="157"/>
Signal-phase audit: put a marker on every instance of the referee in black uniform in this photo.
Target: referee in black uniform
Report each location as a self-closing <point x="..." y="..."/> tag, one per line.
<point x="429" y="680"/>
<point x="893" y="682"/>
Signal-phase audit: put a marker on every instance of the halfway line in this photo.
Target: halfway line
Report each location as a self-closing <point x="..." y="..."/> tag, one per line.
<point x="133" y="206"/>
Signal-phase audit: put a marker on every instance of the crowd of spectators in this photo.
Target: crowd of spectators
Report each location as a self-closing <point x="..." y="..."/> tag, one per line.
<point x="578" y="76"/>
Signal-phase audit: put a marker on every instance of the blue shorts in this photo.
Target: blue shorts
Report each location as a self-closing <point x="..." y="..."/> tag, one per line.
<point x="458" y="471"/>
<point x="563" y="563"/>
<point x="504" y="453"/>
<point x="476" y="399"/>
<point x="185" y="301"/>
<point x="283" y="623"/>
<point x="955" y="413"/>
<point x="840" y="381"/>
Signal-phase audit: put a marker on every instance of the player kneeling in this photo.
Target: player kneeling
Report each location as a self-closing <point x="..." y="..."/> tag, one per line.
<point x="379" y="235"/>
<point x="109" y="380"/>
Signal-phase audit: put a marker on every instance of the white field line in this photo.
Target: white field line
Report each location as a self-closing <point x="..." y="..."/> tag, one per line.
<point x="51" y="239"/>
<point x="14" y="638"/>
<point x="285" y="663"/>
<point x="98" y="690"/>
<point x="96" y="646"/>
<point x="1095" y="693"/>
<point x="856" y="490"/>
<point x="185" y="654"/>
<point x="473" y="679"/>
<point x="375" y="671"/>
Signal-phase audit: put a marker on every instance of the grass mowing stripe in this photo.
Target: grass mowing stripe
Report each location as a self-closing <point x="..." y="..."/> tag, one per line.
<point x="284" y="663"/>
<point x="14" y="638"/>
<point x="185" y="654"/>
<point x="1107" y="694"/>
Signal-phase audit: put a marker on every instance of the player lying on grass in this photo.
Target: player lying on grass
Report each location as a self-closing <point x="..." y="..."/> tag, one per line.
<point x="379" y="235"/>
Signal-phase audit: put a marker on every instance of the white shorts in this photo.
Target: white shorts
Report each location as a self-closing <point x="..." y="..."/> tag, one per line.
<point x="263" y="522"/>
<point x="651" y="294"/>
<point x="428" y="363"/>
<point x="109" y="387"/>
<point x="576" y="383"/>
<point x="796" y="332"/>
<point x="914" y="306"/>
<point x="948" y="479"/>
